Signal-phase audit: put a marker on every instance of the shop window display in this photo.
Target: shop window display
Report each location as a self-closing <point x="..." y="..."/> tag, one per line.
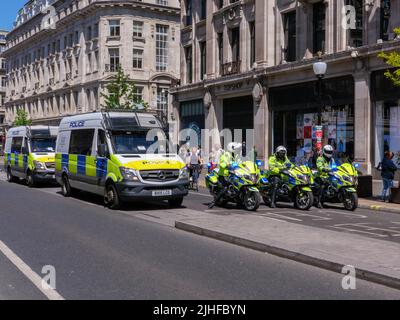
<point x="387" y="130"/>
<point x="297" y="130"/>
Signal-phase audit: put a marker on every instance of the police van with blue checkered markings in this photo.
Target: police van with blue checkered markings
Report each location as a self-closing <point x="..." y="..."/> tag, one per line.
<point x="120" y="155"/>
<point x="29" y="154"/>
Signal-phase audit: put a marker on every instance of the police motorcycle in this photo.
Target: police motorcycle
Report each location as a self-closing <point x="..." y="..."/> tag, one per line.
<point x="294" y="186"/>
<point x="341" y="186"/>
<point x="240" y="186"/>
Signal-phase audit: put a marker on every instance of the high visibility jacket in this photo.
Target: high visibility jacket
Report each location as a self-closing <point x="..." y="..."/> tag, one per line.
<point x="225" y="161"/>
<point x="324" y="166"/>
<point x="277" y="165"/>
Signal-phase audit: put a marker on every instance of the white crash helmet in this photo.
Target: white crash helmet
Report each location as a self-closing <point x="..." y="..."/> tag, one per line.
<point x="327" y="151"/>
<point x="281" y="149"/>
<point x="234" y="147"/>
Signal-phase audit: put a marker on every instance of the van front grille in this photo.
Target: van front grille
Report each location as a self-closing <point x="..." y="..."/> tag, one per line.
<point x="159" y="175"/>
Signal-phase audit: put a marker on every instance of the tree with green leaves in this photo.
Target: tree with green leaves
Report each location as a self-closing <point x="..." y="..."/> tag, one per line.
<point x="393" y="60"/>
<point x="22" y="118"/>
<point x="121" y="93"/>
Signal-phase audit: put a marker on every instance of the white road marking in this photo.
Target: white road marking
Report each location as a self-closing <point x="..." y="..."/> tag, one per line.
<point x="32" y="276"/>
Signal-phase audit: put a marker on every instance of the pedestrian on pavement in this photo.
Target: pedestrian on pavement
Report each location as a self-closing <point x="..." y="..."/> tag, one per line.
<point x="388" y="170"/>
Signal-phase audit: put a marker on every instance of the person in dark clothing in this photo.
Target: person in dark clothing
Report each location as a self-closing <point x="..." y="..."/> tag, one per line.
<point x="388" y="170"/>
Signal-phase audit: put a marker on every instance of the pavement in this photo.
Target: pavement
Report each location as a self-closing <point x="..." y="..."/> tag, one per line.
<point x="142" y="251"/>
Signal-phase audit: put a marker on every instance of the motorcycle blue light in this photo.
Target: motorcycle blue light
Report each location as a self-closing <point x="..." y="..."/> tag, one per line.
<point x="264" y="180"/>
<point x="209" y="165"/>
<point x="235" y="165"/>
<point x="356" y="165"/>
<point x="259" y="163"/>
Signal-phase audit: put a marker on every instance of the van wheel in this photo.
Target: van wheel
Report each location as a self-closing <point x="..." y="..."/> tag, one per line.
<point x="66" y="188"/>
<point x="111" y="197"/>
<point x="30" y="179"/>
<point x="10" y="177"/>
<point x="175" y="203"/>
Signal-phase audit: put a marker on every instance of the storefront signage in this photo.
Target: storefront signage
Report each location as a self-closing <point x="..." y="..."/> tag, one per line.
<point x="233" y="86"/>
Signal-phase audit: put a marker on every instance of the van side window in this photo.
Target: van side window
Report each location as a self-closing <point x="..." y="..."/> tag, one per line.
<point x="81" y="142"/>
<point x="16" y="144"/>
<point x="101" y="139"/>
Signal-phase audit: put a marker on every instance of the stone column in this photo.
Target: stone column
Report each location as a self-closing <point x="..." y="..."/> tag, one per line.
<point x="259" y="123"/>
<point x="262" y="25"/>
<point x="362" y="120"/>
<point x="211" y="136"/>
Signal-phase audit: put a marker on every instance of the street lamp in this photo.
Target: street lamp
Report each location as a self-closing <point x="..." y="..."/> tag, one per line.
<point x="319" y="68"/>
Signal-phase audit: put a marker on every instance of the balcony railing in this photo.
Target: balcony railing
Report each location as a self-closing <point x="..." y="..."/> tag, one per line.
<point x="112" y="67"/>
<point x="230" y="68"/>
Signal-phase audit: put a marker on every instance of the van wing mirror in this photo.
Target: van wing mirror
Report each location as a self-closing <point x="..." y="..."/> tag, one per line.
<point x="24" y="150"/>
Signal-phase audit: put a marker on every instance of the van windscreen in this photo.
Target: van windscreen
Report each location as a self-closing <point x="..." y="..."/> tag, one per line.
<point x="43" y="144"/>
<point x="126" y="142"/>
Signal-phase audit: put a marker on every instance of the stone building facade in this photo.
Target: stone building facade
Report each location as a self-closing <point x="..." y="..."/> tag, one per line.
<point x="248" y="64"/>
<point x="62" y="54"/>
<point x="3" y="68"/>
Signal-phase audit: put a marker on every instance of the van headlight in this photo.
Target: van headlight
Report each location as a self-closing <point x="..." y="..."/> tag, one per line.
<point x="39" y="165"/>
<point x="184" y="173"/>
<point x="129" y="174"/>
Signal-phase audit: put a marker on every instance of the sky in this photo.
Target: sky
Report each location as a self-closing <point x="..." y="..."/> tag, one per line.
<point x="8" y="12"/>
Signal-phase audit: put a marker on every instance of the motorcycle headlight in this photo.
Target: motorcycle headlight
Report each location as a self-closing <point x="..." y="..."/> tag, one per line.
<point x="39" y="165"/>
<point x="239" y="174"/>
<point x="184" y="173"/>
<point x="303" y="177"/>
<point x="129" y="174"/>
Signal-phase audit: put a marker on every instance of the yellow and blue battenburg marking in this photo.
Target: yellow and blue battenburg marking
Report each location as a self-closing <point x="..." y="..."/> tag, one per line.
<point x="82" y="165"/>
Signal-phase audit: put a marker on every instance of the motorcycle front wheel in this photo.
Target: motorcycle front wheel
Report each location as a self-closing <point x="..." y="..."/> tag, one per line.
<point x="304" y="200"/>
<point x="350" y="201"/>
<point x="251" y="201"/>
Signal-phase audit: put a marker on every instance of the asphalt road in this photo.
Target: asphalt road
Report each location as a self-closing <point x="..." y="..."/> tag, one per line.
<point x="101" y="254"/>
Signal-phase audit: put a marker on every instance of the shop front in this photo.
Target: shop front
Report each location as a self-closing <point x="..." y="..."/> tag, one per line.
<point x="295" y="111"/>
<point x="238" y="118"/>
<point x="386" y="103"/>
<point x="192" y="121"/>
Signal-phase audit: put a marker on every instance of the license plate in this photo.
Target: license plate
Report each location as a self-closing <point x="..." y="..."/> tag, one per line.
<point x="161" y="193"/>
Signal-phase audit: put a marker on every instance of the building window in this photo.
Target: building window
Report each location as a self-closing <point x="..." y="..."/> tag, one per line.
<point x="203" y="59"/>
<point x="138" y="29"/>
<point x="386" y="99"/>
<point x="138" y="95"/>
<point x="189" y="64"/>
<point x="319" y="27"/>
<point x="188" y="13"/>
<point x="114" y="59"/>
<point x="89" y="33"/>
<point x="162" y="2"/>
<point x="115" y="28"/>
<point x="162" y="100"/>
<point x="137" y="59"/>
<point x="355" y="35"/>
<point x="235" y="44"/>
<point x="203" y="9"/>
<point x="220" y="40"/>
<point x="289" y="25"/>
<point x="385" y="17"/>
<point x="252" y="28"/>
<point x="161" y="47"/>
